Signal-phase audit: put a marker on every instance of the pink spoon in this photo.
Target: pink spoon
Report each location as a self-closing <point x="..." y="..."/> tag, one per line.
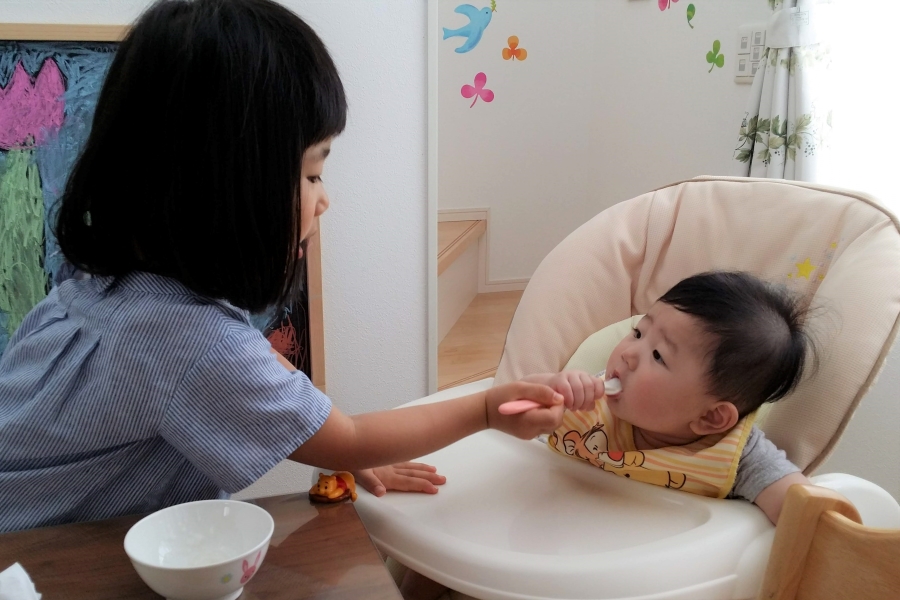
<point x="514" y="407"/>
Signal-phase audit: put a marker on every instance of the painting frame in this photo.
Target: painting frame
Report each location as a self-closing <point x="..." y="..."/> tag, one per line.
<point x="54" y="32"/>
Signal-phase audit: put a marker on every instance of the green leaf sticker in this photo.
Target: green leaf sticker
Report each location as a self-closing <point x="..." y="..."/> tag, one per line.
<point x="714" y="58"/>
<point x="691" y="11"/>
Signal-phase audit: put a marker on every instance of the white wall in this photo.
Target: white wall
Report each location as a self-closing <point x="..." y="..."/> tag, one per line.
<point x="374" y="236"/>
<point x="870" y="447"/>
<point x="614" y="99"/>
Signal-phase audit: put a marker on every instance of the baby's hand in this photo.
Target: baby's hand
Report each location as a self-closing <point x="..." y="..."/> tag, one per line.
<point x="403" y="477"/>
<point x="530" y="423"/>
<point x="580" y="390"/>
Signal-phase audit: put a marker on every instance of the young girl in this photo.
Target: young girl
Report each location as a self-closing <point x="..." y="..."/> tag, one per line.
<point x="706" y="356"/>
<point x="145" y="385"/>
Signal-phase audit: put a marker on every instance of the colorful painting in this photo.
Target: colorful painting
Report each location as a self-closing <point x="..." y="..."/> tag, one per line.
<point x="479" y="19"/>
<point x="478" y="90"/>
<point x="47" y="96"/>
<point x="48" y="92"/>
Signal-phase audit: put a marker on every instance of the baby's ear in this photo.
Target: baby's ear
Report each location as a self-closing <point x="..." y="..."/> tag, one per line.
<point x="718" y="418"/>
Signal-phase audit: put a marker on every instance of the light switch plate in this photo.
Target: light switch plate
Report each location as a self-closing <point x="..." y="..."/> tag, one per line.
<point x="758" y="38"/>
<point x="750" y="48"/>
<point x="745" y="38"/>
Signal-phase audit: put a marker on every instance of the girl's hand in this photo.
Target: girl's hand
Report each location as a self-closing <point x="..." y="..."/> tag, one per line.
<point x="403" y="477"/>
<point x="528" y="424"/>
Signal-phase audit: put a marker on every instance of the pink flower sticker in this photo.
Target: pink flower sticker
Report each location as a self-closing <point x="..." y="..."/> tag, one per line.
<point x="478" y="91"/>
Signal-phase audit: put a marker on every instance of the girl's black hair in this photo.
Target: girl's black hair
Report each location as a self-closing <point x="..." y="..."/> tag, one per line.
<point x="758" y="343"/>
<point x="192" y="166"/>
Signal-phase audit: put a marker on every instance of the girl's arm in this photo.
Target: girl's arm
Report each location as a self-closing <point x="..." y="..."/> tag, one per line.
<point x="771" y="499"/>
<point x="405" y="476"/>
<point x="361" y="441"/>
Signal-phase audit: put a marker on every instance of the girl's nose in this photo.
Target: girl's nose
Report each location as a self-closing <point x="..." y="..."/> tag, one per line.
<point x="323" y="204"/>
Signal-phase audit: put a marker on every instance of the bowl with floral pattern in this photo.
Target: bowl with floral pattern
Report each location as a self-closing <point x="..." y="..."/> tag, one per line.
<point x="205" y="550"/>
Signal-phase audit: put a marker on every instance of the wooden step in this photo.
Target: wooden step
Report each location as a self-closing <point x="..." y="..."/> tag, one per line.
<point x="454" y="237"/>
<point x="473" y="347"/>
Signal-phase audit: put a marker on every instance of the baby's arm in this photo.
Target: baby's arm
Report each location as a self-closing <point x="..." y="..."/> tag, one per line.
<point x="765" y="474"/>
<point x="771" y="499"/>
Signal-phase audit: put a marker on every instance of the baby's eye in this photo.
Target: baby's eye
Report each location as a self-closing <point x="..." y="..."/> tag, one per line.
<point x="637" y="333"/>
<point x="658" y="357"/>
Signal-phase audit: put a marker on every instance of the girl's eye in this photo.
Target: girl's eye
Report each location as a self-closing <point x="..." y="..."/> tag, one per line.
<point x="637" y="333"/>
<point x="658" y="357"/>
<point x="315" y="179"/>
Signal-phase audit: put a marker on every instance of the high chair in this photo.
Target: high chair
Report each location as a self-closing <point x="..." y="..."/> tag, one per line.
<point x="517" y="521"/>
<point x="822" y="551"/>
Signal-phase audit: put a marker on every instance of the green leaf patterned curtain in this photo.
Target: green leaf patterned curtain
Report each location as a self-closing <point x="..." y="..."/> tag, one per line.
<point x="785" y="129"/>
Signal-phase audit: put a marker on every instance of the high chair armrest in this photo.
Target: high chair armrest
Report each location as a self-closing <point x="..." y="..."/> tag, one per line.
<point x="803" y="506"/>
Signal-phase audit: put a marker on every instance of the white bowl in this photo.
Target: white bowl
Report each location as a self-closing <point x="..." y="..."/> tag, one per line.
<point x="204" y="550"/>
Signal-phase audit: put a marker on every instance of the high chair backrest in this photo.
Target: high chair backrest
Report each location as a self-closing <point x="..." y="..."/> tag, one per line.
<point x="840" y="250"/>
<point x="821" y="551"/>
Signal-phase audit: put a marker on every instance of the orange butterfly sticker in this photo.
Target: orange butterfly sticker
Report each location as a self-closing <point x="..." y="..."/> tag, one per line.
<point x="514" y="52"/>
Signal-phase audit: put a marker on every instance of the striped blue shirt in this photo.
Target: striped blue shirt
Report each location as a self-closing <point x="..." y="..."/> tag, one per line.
<point x="122" y="396"/>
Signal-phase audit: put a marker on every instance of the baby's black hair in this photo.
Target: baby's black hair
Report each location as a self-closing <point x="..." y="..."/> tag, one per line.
<point x="758" y="345"/>
<point x="192" y="166"/>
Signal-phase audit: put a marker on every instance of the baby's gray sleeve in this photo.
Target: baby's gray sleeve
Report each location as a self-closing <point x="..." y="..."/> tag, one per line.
<point x="761" y="465"/>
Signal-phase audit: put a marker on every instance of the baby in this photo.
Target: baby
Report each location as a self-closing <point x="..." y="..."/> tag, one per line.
<point x="706" y="355"/>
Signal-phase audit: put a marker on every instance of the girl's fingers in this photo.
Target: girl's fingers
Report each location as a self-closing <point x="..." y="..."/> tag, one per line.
<point x="404" y="483"/>
<point x="426" y="475"/>
<point x="370" y="482"/>
<point x="538" y="392"/>
<point x="415" y="465"/>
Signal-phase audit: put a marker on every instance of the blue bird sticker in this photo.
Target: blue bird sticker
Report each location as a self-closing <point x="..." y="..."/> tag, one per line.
<point x="478" y="22"/>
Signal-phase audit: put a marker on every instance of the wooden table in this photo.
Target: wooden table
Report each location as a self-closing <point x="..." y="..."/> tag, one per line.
<point x="317" y="551"/>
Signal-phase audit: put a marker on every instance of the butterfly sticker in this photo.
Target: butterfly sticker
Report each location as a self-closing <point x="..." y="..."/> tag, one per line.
<point x="514" y="52"/>
<point x="479" y="91"/>
<point x="664" y="4"/>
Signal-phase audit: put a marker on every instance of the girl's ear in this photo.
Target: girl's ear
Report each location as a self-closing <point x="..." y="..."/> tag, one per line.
<point x="720" y="417"/>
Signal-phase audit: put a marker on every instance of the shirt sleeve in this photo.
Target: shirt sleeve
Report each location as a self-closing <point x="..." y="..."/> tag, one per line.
<point x="238" y="412"/>
<point x="761" y="465"/>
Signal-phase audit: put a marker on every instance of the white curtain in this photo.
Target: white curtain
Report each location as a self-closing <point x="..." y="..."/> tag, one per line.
<point x="786" y="128"/>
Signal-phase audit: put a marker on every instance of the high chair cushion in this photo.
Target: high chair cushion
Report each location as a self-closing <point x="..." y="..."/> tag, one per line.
<point x="593" y="353"/>
<point x="838" y="249"/>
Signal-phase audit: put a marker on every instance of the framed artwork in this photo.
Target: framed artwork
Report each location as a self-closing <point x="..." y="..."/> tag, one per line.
<point x="50" y="79"/>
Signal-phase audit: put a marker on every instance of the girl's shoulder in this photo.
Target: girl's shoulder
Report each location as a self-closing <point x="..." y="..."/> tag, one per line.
<point x="141" y="315"/>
